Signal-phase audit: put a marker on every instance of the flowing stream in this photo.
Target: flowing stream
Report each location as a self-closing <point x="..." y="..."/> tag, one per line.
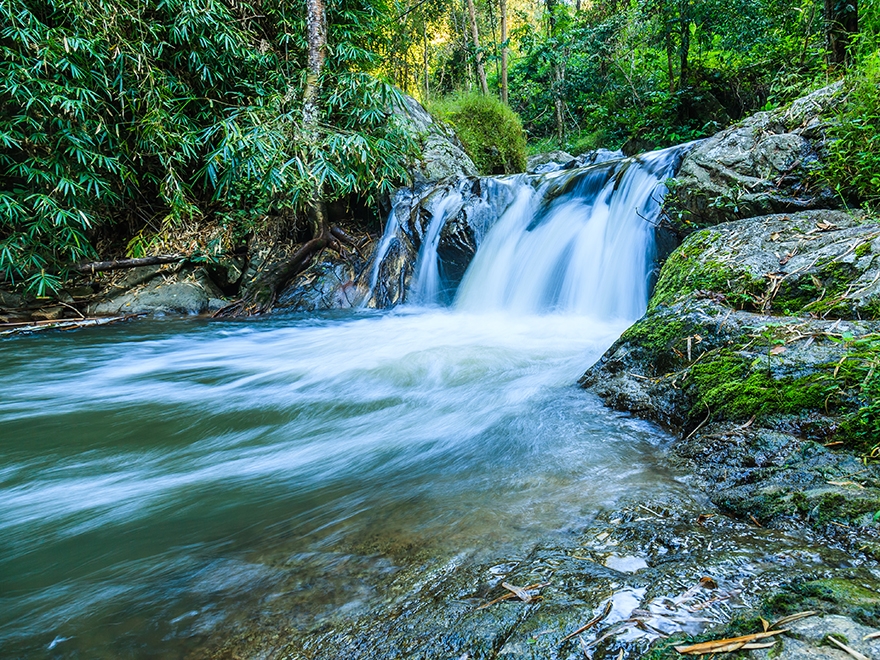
<point x="161" y="477"/>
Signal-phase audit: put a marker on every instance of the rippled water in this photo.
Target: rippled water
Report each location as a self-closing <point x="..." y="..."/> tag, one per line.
<point x="155" y="475"/>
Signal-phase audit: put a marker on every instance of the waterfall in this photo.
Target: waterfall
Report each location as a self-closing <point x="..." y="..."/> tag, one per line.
<point x="578" y="241"/>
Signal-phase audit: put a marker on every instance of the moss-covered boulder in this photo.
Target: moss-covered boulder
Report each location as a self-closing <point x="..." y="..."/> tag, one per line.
<point x="825" y="263"/>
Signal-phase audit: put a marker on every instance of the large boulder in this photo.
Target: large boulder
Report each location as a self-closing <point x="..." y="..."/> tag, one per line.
<point x="823" y="262"/>
<point x="441" y="154"/>
<point x="760" y="350"/>
<point x="761" y="165"/>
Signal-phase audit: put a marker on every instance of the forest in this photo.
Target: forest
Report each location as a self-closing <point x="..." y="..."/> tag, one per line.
<point x="130" y="129"/>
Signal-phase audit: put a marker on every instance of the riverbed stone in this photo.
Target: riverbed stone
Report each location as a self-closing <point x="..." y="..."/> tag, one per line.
<point x="808" y="638"/>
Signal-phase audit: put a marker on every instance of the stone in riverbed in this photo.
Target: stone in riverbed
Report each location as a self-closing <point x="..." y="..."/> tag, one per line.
<point x="179" y="292"/>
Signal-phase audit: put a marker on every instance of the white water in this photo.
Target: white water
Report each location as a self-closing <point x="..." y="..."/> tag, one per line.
<point x="576" y="242"/>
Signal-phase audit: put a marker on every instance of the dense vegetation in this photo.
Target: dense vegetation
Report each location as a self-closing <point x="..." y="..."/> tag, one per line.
<point x="125" y="125"/>
<point x="490" y="131"/>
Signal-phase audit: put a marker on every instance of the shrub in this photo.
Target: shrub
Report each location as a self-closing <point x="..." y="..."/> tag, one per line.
<point x="853" y="165"/>
<point x="492" y="133"/>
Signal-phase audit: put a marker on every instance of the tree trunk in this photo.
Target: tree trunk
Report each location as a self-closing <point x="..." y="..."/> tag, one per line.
<point x="558" y="75"/>
<point x="504" y="51"/>
<point x="684" y="45"/>
<point x="425" y="60"/>
<point x="263" y="291"/>
<point x="841" y="25"/>
<point x="481" y="72"/>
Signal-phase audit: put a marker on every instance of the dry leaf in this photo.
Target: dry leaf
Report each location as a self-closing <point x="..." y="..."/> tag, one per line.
<point x="758" y="645"/>
<point x="793" y="617"/>
<point x="851" y="651"/>
<point x="825" y="226"/>
<point x="703" y="517"/>
<point x="777" y="350"/>
<point x="765" y="624"/>
<point x="774" y="236"/>
<point x="725" y="645"/>
<point x="873" y="635"/>
<point x="708" y="583"/>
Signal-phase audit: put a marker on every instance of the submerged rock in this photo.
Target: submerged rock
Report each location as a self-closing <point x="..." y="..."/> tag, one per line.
<point x="548" y="162"/>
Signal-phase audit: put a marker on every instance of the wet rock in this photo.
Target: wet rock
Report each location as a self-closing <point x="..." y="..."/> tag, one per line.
<point x="9" y="300"/>
<point x="554" y="159"/>
<point x="807" y="639"/>
<point x="327" y="284"/>
<point x="760" y="166"/>
<point x="435" y="607"/>
<point x="178" y="292"/>
<point x="468" y="207"/>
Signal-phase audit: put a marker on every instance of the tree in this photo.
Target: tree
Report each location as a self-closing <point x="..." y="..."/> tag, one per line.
<point x="504" y="49"/>
<point x="841" y="25"/>
<point x="481" y="71"/>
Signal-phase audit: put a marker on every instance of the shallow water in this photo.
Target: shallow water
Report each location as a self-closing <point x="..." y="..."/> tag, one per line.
<point x="156" y="475"/>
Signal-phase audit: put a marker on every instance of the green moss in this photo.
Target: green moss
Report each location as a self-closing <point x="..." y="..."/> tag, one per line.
<point x="732" y="387"/>
<point x="492" y="133"/>
<point x="656" y="338"/>
<point x="862" y="249"/>
<point x="688" y="270"/>
<point x="850" y="596"/>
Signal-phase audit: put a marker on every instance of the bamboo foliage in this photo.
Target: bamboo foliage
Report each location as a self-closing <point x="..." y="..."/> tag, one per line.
<point x="168" y="110"/>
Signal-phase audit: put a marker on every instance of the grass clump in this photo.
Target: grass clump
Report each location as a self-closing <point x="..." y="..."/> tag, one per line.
<point x="853" y="164"/>
<point x="492" y="133"/>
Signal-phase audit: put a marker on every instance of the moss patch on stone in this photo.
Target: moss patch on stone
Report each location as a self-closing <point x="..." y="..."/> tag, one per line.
<point x="733" y="387"/>
<point x="849" y="597"/>
<point x="688" y="270"/>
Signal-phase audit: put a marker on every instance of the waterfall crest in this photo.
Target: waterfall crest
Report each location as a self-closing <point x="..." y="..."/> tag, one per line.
<point x="578" y="241"/>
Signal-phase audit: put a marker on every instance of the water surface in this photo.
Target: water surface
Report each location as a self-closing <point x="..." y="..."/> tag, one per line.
<point x="159" y="478"/>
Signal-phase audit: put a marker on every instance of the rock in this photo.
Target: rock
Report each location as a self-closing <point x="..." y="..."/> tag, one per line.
<point x="327" y="284"/>
<point x="822" y="262"/>
<point x="441" y="153"/>
<point x="48" y="313"/>
<point x="760" y="166"/>
<point x="807" y="639"/>
<point x="555" y="159"/>
<point x="758" y="350"/>
<point x="467" y="206"/>
<point x="9" y="300"/>
<point x="180" y="292"/>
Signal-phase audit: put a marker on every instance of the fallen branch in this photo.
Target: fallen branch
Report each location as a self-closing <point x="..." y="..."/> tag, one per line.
<point x="118" y="264"/>
<point x="589" y="624"/>
<point x="510" y="595"/>
<point x="727" y="645"/>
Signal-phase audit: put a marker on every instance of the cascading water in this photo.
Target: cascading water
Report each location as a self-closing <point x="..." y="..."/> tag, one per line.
<point x="577" y="241"/>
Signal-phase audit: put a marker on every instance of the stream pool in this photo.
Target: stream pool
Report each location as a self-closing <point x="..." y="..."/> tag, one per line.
<point x="155" y="476"/>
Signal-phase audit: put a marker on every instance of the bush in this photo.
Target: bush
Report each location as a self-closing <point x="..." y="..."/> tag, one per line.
<point x="853" y="165"/>
<point x="492" y="133"/>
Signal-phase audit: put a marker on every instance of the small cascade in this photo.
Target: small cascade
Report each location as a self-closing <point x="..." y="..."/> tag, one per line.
<point x="576" y="241"/>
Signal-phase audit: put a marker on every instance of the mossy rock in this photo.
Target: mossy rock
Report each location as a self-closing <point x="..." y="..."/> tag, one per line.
<point x="822" y="263"/>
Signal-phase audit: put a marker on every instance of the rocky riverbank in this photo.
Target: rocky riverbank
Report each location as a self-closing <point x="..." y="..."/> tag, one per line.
<point x="760" y="346"/>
